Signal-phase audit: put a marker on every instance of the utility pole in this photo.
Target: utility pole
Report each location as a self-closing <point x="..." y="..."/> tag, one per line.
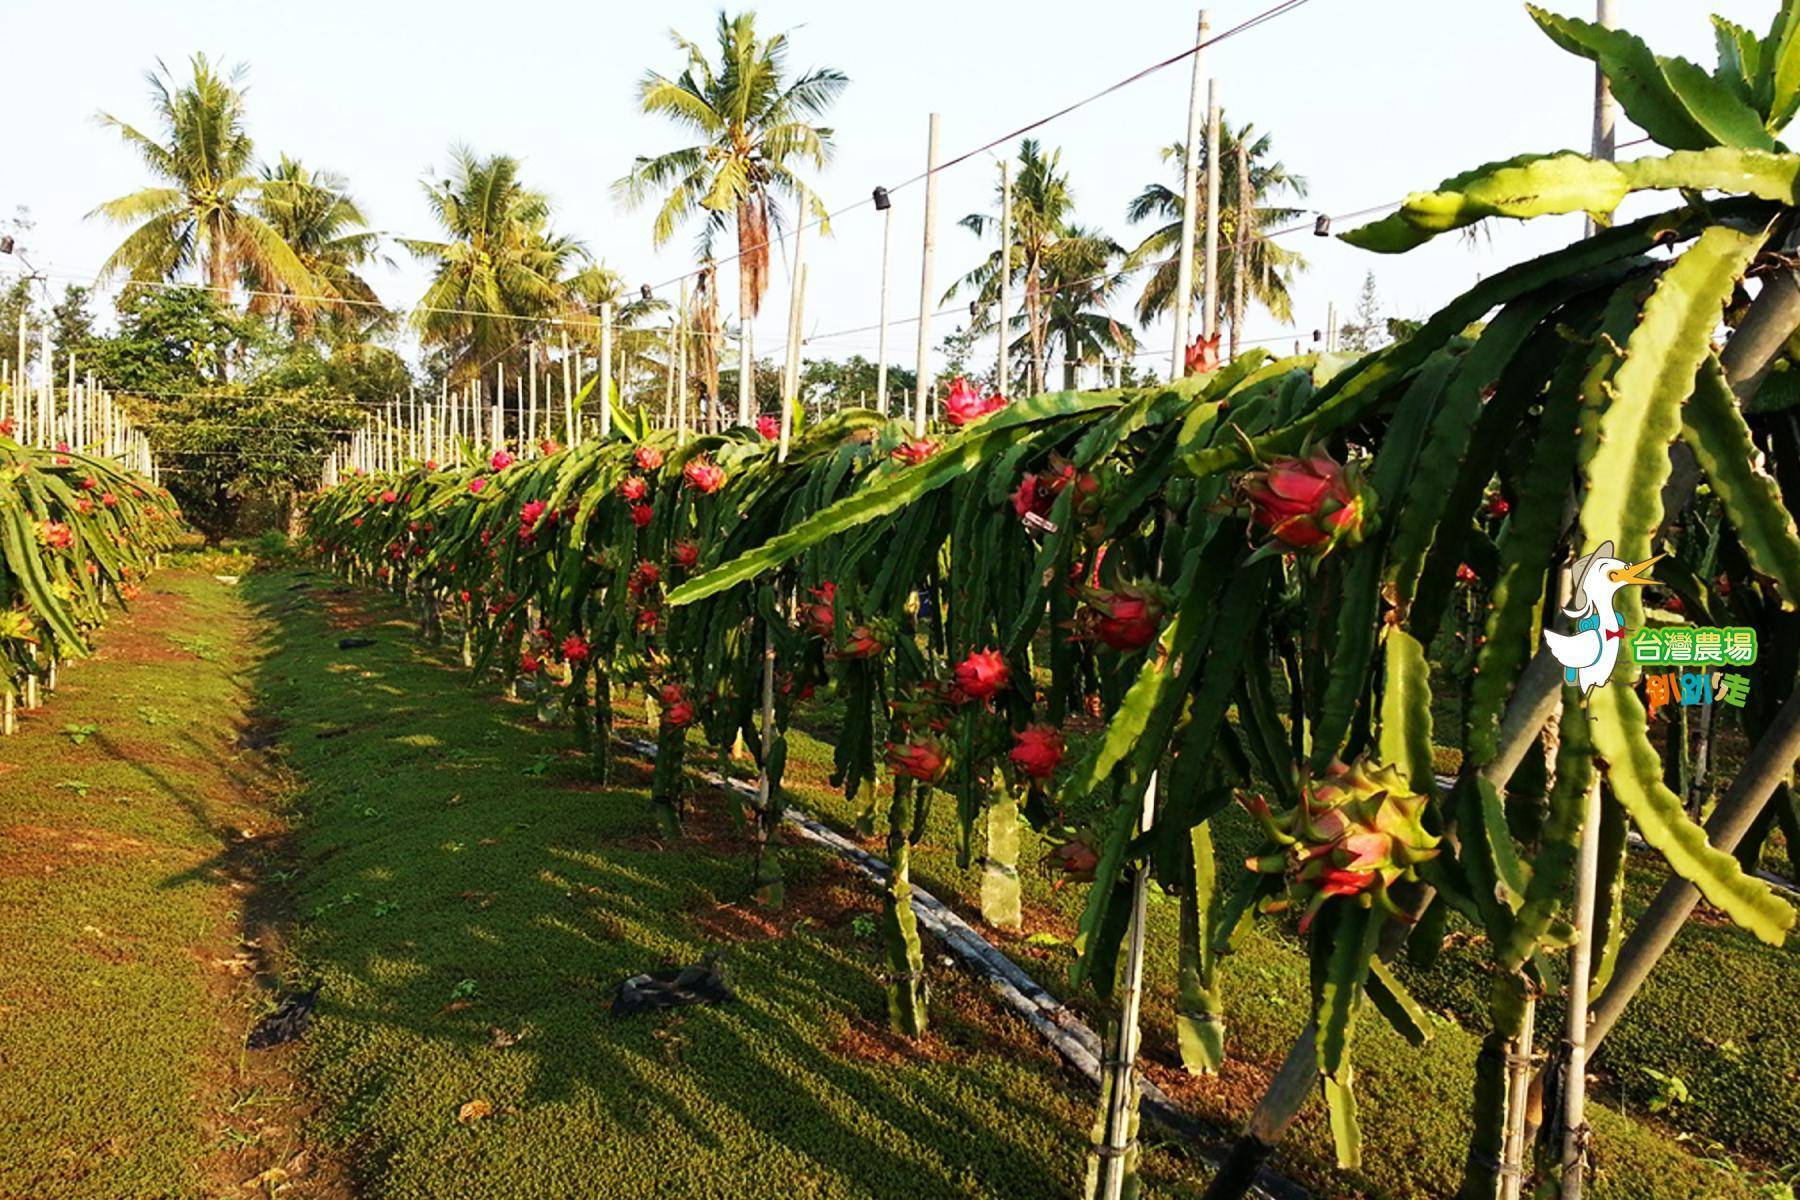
<point x="605" y="384"/>
<point x="1190" y="180"/>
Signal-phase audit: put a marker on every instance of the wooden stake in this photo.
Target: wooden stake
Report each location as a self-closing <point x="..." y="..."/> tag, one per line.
<point x="1190" y="180"/>
<point x="922" y="385"/>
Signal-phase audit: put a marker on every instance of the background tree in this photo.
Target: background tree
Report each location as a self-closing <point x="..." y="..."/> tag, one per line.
<point x="202" y="214"/>
<point x="499" y="272"/>
<point x="316" y="217"/>
<point x="1078" y="321"/>
<point x="1366" y="330"/>
<point x="753" y="126"/>
<point x="1046" y="245"/>
<point x="1271" y="268"/>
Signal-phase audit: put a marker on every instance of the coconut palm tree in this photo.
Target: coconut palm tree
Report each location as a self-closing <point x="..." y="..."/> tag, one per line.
<point x="202" y="214"/>
<point x="753" y="127"/>
<point x="1270" y="268"/>
<point x="1082" y="272"/>
<point x="1045" y="244"/>
<point x="499" y="272"/>
<point x="317" y="218"/>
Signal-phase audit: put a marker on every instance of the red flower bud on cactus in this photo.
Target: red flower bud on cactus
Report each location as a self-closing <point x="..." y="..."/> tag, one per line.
<point x="703" y="475"/>
<point x="864" y="641"/>
<point x="501" y="460"/>
<point x="528" y="662"/>
<point x="1037" y="750"/>
<point x="687" y="554"/>
<point x="964" y="405"/>
<point x="769" y="426"/>
<point x="1076" y="859"/>
<point x="89" y="483"/>
<point x="982" y="674"/>
<point x="529" y="514"/>
<point x="819" y="616"/>
<point x="920" y="757"/>
<point x="1498" y="505"/>
<point x="55" y="535"/>
<point x="548" y="447"/>
<point x="1129" y="617"/>
<point x="388" y="497"/>
<point x="1307" y="504"/>
<point x="677" y="709"/>
<point x="1466" y="574"/>
<point x="575" y="649"/>
<point x="641" y="515"/>
<point x="476" y="484"/>
<point x="431" y="464"/>
<point x="645" y="576"/>
<point x="1203" y="356"/>
<point x="648" y="458"/>
<point x="915" y="452"/>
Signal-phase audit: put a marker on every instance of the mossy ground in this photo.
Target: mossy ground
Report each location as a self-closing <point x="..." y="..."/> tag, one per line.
<point x="133" y="831"/>
<point x="469" y="899"/>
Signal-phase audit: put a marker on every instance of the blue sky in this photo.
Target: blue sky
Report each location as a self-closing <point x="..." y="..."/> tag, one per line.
<point x="1368" y="99"/>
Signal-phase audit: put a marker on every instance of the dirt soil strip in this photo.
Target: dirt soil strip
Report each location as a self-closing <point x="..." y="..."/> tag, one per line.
<point x="1079" y="1045"/>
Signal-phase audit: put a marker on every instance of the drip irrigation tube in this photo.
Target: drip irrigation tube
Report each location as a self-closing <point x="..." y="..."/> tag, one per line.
<point x="1066" y="1032"/>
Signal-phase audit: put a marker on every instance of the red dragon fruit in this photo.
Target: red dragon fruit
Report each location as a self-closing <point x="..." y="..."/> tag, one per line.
<point x="1308" y="504"/>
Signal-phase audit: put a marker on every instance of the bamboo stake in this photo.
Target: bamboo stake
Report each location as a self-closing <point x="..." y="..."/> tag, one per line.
<point x="922" y="385"/>
<point x="1190" y="178"/>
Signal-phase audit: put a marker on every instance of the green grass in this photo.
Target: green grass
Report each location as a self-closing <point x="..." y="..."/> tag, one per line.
<point x="448" y="887"/>
<point x="455" y="873"/>
<point x="110" y="906"/>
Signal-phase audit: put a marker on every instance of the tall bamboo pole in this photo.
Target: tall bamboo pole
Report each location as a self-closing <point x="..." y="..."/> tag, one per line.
<point x="1587" y="880"/>
<point x="681" y="361"/>
<point x="1209" y="323"/>
<point x="922" y="385"/>
<point x="1240" y="250"/>
<point x="881" y="359"/>
<point x="1190" y="182"/>
<point x="570" y="436"/>
<point x="1001" y="380"/>
<point x="606" y="370"/>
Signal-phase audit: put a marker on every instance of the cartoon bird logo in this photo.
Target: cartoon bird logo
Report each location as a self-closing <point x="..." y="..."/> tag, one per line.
<point x="1589" y="654"/>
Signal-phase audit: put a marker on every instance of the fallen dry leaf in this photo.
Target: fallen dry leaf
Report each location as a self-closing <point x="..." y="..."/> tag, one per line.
<point x="270" y="1178"/>
<point x="474" y="1110"/>
<point x="501" y="1039"/>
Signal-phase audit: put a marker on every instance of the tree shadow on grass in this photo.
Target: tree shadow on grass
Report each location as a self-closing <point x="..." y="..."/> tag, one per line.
<point x="461" y="886"/>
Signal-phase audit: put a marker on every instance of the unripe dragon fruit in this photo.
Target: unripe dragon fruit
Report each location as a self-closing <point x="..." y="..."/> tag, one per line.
<point x="1355" y="834"/>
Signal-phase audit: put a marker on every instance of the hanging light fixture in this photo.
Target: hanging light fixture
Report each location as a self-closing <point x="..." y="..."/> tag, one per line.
<point x="882" y="203"/>
<point x="644" y="291"/>
<point x="1322" y="226"/>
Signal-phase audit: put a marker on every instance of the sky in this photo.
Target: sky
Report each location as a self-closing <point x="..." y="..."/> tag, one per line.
<point x="1367" y="99"/>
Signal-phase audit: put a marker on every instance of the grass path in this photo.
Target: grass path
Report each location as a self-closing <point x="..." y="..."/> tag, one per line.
<point x="133" y="831"/>
<point x="470" y="901"/>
